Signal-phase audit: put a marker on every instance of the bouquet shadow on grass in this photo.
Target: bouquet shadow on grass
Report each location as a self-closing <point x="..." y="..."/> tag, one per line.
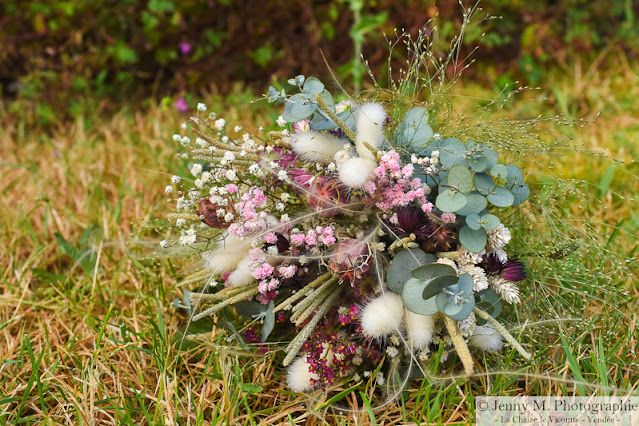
<point x="381" y="269"/>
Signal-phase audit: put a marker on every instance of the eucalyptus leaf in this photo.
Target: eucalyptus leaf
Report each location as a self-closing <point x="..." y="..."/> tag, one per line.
<point x="476" y="203"/>
<point x="514" y="175"/>
<point x="499" y="171"/>
<point x="520" y="193"/>
<point x="436" y="285"/>
<point x="452" y="152"/>
<point x="249" y="309"/>
<point x="490" y="154"/>
<point x="474" y="241"/>
<point x="403" y="263"/>
<point x="461" y="178"/>
<point x="484" y="183"/>
<point x="328" y="99"/>
<point x="413" y="300"/>
<point x="414" y="131"/>
<point x="269" y="321"/>
<point x="477" y="162"/>
<point x="451" y="201"/>
<point x="473" y="221"/>
<point x="501" y="197"/>
<point x="457" y="311"/>
<point x="432" y="270"/>
<point x="489" y="301"/>
<point x="303" y="109"/>
<point x="313" y="86"/>
<point x="489" y="221"/>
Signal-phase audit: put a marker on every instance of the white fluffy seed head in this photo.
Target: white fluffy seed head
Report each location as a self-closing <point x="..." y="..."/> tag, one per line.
<point x="486" y="338"/>
<point x="299" y="375"/>
<point x="419" y="329"/>
<point x="316" y="146"/>
<point x="227" y="255"/>
<point x="242" y="275"/>
<point x="370" y="128"/>
<point x="382" y="316"/>
<point x="355" y="172"/>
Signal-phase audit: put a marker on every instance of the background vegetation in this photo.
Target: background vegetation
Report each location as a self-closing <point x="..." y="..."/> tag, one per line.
<point x="87" y="112"/>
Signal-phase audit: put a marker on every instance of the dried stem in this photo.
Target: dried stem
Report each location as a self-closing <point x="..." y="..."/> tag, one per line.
<point x="288" y="303"/>
<point x="460" y="345"/>
<point x="502" y="330"/>
<point x="347" y="130"/>
<point x="252" y="291"/>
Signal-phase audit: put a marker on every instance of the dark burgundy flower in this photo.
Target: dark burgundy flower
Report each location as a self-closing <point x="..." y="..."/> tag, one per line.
<point x="208" y="213"/>
<point x="443" y="238"/>
<point x="283" y="157"/>
<point x="412" y="220"/>
<point x="512" y="270"/>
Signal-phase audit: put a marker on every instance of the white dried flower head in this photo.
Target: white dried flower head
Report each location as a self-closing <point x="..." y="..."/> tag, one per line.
<point x="419" y="329"/>
<point x="242" y="275"/>
<point x="507" y="290"/>
<point x="175" y="179"/>
<point x="370" y="128"/>
<point x="206" y="176"/>
<point x="231" y="175"/>
<point x="437" y="137"/>
<point x="355" y="172"/>
<point x="201" y="142"/>
<point x="299" y="377"/>
<point x="225" y="139"/>
<point x="177" y="138"/>
<point x="486" y="338"/>
<point x="501" y="255"/>
<point x="465" y="257"/>
<point x="280" y="207"/>
<point x="316" y="146"/>
<point x="382" y="316"/>
<point x="498" y="237"/>
<point x="229" y="217"/>
<point x="380" y="378"/>
<point x="219" y="124"/>
<point x="392" y="351"/>
<point x="164" y="244"/>
<point x="185" y="141"/>
<point x="449" y="262"/>
<point x="199" y="183"/>
<point x="184" y="156"/>
<point x="331" y="167"/>
<point x="168" y="189"/>
<point x="480" y="280"/>
<point x="196" y="169"/>
<point x="282" y="175"/>
<point x="285" y="196"/>
<point x="201" y="107"/>
<point x="285" y="218"/>
<point x="467" y="326"/>
<point x="341" y="156"/>
<point x="237" y="128"/>
<point x="180" y="222"/>
<point x="280" y="121"/>
<point x="184" y="126"/>
<point x="227" y="255"/>
<point x="229" y="156"/>
<point x="188" y="238"/>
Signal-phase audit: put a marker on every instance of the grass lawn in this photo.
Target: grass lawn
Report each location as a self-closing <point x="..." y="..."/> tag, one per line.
<point x="88" y="334"/>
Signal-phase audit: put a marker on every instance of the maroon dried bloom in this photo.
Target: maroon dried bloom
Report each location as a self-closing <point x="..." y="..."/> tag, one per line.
<point x="325" y="195"/>
<point x="284" y="158"/>
<point x="412" y="220"/>
<point x="208" y="213"/>
<point x="443" y="238"/>
<point x="512" y="270"/>
<point x="351" y="259"/>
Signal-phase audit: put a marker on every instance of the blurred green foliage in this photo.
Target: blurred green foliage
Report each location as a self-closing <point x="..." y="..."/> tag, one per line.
<point x="65" y="54"/>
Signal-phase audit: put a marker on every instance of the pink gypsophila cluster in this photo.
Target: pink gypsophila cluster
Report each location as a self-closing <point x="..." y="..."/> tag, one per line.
<point x="314" y="237"/>
<point x="250" y="219"/>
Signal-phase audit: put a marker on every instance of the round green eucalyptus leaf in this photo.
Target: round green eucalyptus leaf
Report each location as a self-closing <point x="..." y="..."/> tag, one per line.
<point x="461" y="178"/>
<point x="413" y="300"/>
<point x="514" y="175"/>
<point x="328" y="99"/>
<point x="489" y="301"/>
<point x="452" y="152"/>
<point x="501" y="197"/>
<point x="474" y="241"/>
<point x="484" y="183"/>
<point x="477" y="162"/>
<point x="499" y="171"/>
<point x="491" y="156"/>
<point x="404" y="262"/>
<point x="432" y="270"/>
<point x="313" y="86"/>
<point x="465" y="285"/>
<point x="489" y="221"/>
<point x="438" y="284"/>
<point x="303" y="109"/>
<point x="450" y="201"/>
<point x="452" y="308"/>
<point x="473" y="221"/>
<point x="249" y="309"/>
<point x="476" y="203"/>
<point x="269" y="321"/>
<point x="520" y="192"/>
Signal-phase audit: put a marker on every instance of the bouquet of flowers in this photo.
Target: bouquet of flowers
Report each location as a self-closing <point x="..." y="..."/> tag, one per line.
<point x="364" y="233"/>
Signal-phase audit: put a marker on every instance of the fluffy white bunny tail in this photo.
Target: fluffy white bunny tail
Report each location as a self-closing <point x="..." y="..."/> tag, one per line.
<point x="299" y="375"/>
<point x="316" y="146"/>
<point x="227" y="255"/>
<point x="242" y="275"/>
<point x="370" y="128"/>
<point x="383" y="315"/>
<point x="419" y="329"/>
<point x="486" y="338"/>
<point x="355" y="172"/>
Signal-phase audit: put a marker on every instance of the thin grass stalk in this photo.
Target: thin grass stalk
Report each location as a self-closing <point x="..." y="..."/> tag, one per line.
<point x="502" y="330"/>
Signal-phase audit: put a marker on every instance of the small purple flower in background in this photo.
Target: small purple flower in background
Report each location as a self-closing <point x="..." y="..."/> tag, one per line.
<point x="185" y="48"/>
<point x="181" y="105"/>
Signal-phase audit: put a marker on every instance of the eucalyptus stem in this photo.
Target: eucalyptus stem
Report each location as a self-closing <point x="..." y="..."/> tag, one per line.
<point x="502" y="330"/>
<point x="288" y="303"/>
<point x="460" y="345"/>
<point x="296" y="344"/>
<point x="252" y="291"/>
<point x="347" y="130"/>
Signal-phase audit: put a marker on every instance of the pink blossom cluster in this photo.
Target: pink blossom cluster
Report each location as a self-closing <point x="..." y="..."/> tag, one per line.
<point x="394" y="186"/>
<point x="314" y="237"/>
<point x="250" y="219"/>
